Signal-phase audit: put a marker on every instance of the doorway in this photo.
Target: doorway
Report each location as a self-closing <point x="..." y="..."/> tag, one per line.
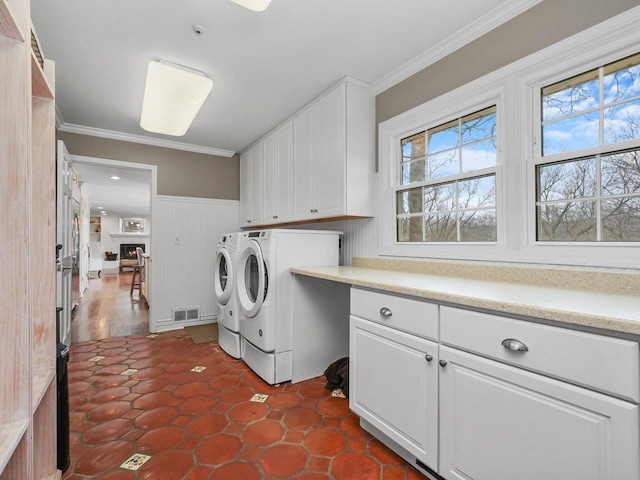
<point x="116" y="195"/>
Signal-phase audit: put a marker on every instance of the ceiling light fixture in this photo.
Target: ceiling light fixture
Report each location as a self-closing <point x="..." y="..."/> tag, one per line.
<point x="114" y="177"/>
<point x="173" y="96"/>
<point x="255" y="5"/>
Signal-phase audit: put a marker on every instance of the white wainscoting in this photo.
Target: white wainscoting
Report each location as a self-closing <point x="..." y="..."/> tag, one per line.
<point x="185" y="235"/>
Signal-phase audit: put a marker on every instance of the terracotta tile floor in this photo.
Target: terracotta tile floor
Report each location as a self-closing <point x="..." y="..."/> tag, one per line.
<point x="204" y="425"/>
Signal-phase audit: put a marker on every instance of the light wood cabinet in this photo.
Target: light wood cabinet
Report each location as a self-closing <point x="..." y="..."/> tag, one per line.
<point x="27" y="281"/>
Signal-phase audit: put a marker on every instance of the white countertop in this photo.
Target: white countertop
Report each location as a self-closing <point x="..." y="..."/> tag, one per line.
<point x="608" y="311"/>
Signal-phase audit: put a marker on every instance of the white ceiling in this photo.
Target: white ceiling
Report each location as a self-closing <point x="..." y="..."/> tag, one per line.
<point x="264" y="66"/>
<point x="128" y="196"/>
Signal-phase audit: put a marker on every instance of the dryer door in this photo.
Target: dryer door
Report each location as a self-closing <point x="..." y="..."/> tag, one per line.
<point x="252" y="282"/>
<point x="223" y="276"/>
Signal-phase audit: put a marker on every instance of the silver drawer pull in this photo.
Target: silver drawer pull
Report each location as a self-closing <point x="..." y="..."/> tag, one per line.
<point x="514" y="345"/>
<point x="428" y="357"/>
<point x="385" y="312"/>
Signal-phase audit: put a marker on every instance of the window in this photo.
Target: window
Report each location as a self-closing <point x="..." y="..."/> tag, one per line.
<point x="447" y="182"/>
<point x="592" y="197"/>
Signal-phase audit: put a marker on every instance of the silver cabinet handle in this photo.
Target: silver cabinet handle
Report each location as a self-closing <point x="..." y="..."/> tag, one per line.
<point x="514" y="345"/>
<point x="428" y="357"/>
<point x="443" y="363"/>
<point x="385" y="312"/>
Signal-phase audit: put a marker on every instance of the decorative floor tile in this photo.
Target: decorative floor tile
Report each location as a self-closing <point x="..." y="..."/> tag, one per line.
<point x="152" y="335"/>
<point x="135" y="461"/>
<point x="198" y="368"/>
<point x="216" y="425"/>
<point x="338" y="393"/>
<point x="96" y="358"/>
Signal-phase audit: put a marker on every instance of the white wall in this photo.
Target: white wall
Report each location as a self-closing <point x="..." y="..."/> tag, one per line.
<point x="185" y="236"/>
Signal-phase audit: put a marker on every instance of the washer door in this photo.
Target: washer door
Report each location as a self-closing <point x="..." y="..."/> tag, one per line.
<point x="252" y="279"/>
<point x="223" y="276"/>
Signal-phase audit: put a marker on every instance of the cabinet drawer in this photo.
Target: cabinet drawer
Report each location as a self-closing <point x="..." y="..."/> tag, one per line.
<point x="412" y="316"/>
<point x="606" y="364"/>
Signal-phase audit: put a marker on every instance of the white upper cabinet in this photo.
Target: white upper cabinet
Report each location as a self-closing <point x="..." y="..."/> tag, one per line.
<point x="334" y="156"/>
<point x="319" y="164"/>
<point x="278" y="175"/>
<point x="251" y="186"/>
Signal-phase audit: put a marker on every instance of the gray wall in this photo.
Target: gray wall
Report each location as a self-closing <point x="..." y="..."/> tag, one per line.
<point x="545" y="24"/>
<point x="180" y="173"/>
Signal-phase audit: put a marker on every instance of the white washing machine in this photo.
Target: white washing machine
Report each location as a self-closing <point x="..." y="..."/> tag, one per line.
<point x="264" y="286"/>
<point x="227" y="254"/>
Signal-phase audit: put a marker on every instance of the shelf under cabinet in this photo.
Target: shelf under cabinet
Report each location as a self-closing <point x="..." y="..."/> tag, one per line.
<point x="8" y="26"/>
<point x="41" y="381"/>
<point x="10" y="436"/>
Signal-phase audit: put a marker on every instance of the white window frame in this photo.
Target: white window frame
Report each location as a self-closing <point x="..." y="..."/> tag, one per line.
<point x="451" y="106"/>
<point x="515" y="90"/>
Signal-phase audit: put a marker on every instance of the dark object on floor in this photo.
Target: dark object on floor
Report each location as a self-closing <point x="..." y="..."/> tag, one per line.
<point x="338" y="376"/>
<point x="203" y="333"/>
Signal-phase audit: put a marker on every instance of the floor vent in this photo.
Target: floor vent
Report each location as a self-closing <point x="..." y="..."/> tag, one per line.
<point x="186" y="314"/>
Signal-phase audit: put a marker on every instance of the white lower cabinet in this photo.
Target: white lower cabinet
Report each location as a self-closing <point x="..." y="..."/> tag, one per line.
<point x="471" y="410"/>
<point x="395" y="387"/>
<point x="499" y="422"/>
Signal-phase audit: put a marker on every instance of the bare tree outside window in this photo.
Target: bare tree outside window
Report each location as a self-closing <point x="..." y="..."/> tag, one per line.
<point x="594" y="198"/>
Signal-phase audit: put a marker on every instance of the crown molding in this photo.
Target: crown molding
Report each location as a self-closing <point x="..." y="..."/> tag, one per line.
<point x="128" y="137"/>
<point x="482" y="25"/>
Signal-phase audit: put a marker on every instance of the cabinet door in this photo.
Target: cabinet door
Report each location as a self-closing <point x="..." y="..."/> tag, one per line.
<point x="394" y="386"/>
<point x="331" y="154"/>
<point x="246" y="193"/>
<point x="498" y="422"/>
<point x="304" y="164"/>
<point x="251" y="188"/>
<point x="257" y="188"/>
<point x="284" y="193"/>
<point x="270" y="178"/>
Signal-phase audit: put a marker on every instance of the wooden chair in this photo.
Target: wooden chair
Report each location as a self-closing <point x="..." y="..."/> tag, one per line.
<point x="137" y="271"/>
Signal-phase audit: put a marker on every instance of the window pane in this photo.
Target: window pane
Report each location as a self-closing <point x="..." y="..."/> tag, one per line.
<point x="444" y="164"/>
<point x="572" y="221"/>
<point x="443" y="137"/>
<point x="620" y="173"/>
<point x="413" y="171"/>
<point x="410" y="229"/>
<point x="413" y="147"/>
<point x="621" y="220"/>
<point x="441" y="228"/>
<point x="478" y="226"/>
<point x="571" y="134"/>
<point x="567" y="180"/>
<point x="622" y="122"/>
<point x="622" y="79"/>
<point x="570" y="96"/>
<point x="410" y="201"/>
<point x="478" y="156"/>
<point x="440" y="198"/>
<point x="479" y="125"/>
<point x="477" y="192"/>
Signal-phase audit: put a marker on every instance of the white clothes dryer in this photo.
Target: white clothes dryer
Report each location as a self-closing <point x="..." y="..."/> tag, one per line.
<point x="264" y="288"/>
<point x="226" y="268"/>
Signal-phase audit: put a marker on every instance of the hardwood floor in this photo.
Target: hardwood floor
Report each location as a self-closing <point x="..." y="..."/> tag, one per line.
<point x="107" y="310"/>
